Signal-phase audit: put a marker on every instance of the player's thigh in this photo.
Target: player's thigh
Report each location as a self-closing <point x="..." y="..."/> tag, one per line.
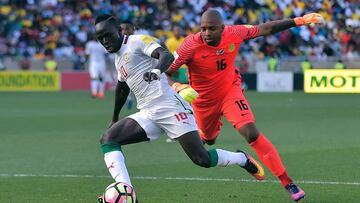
<point x="96" y="70"/>
<point x="208" y="118"/>
<point x="236" y="108"/>
<point x="125" y="131"/>
<point x="102" y="73"/>
<point x="151" y="129"/>
<point x="93" y="71"/>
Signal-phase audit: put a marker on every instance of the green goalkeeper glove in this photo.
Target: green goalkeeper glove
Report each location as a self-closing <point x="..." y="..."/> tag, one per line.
<point x="185" y="91"/>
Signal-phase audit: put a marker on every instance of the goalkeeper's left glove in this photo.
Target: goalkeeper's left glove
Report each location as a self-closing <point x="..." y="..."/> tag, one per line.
<point x="309" y="18"/>
<point x="185" y="91"/>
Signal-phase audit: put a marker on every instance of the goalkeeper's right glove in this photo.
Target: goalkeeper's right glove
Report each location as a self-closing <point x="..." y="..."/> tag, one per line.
<point x="185" y="91"/>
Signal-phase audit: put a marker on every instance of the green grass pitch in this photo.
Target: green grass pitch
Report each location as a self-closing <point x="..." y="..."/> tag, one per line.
<point x="50" y="151"/>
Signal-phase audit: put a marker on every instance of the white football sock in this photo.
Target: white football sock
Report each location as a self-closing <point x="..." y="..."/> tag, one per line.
<point x="101" y="87"/>
<point x="94" y="86"/>
<point x="227" y="158"/>
<point x="115" y="162"/>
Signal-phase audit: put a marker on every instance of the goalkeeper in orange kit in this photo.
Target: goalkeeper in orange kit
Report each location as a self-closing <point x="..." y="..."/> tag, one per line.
<point x="210" y="56"/>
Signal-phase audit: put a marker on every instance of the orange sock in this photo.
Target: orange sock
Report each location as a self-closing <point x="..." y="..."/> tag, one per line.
<point x="285" y="179"/>
<point x="270" y="157"/>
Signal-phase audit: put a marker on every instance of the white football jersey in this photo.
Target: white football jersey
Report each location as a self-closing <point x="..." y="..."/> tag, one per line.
<point x="96" y="53"/>
<point x="132" y="61"/>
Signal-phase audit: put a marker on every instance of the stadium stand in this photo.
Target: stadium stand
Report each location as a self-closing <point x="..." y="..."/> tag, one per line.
<point x="35" y="29"/>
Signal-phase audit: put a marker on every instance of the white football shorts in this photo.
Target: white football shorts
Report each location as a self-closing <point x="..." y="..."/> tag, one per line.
<point x="171" y="116"/>
<point x="97" y="70"/>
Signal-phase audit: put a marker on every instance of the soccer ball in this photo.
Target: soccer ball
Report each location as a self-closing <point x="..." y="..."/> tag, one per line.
<point x="119" y="193"/>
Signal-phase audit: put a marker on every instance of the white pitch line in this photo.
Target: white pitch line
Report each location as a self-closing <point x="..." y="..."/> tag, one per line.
<point x="179" y="178"/>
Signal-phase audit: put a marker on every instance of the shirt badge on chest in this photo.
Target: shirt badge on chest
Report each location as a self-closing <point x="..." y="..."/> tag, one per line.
<point x="231" y="47"/>
<point x="220" y="52"/>
<point x="126" y="57"/>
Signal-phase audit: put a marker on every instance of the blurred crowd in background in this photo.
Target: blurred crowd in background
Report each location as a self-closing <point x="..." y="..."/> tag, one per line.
<point x="60" y="28"/>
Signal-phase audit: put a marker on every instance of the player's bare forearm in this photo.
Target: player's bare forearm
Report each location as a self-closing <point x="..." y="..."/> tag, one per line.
<point x="165" y="58"/>
<point x="169" y="73"/>
<point x="280" y="25"/>
<point x="121" y="92"/>
<point x="275" y="26"/>
<point x="170" y="80"/>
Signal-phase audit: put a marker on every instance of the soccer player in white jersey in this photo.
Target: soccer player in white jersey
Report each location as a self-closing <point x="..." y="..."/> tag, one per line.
<point x="96" y="55"/>
<point x="128" y="28"/>
<point x="141" y="62"/>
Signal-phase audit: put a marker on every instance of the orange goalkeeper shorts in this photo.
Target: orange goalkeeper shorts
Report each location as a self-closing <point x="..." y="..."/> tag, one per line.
<point x="234" y="106"/>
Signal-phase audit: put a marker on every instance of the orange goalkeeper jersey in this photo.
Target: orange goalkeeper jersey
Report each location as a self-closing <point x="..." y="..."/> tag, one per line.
<point x="211" y="69"/>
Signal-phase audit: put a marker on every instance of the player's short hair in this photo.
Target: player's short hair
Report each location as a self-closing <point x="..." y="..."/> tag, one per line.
<point x="127" y="22"/>
<point x="105" y="17"/>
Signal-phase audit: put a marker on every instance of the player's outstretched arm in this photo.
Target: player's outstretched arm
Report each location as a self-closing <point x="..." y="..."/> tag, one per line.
<point x="280" y="25"/>
<point x="121" y="93"/>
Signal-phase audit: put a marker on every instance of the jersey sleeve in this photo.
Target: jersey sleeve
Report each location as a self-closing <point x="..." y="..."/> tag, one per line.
<point x="148" y="44"/>
<point x="245" y="32"/>
<point x="183" y="53"/>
